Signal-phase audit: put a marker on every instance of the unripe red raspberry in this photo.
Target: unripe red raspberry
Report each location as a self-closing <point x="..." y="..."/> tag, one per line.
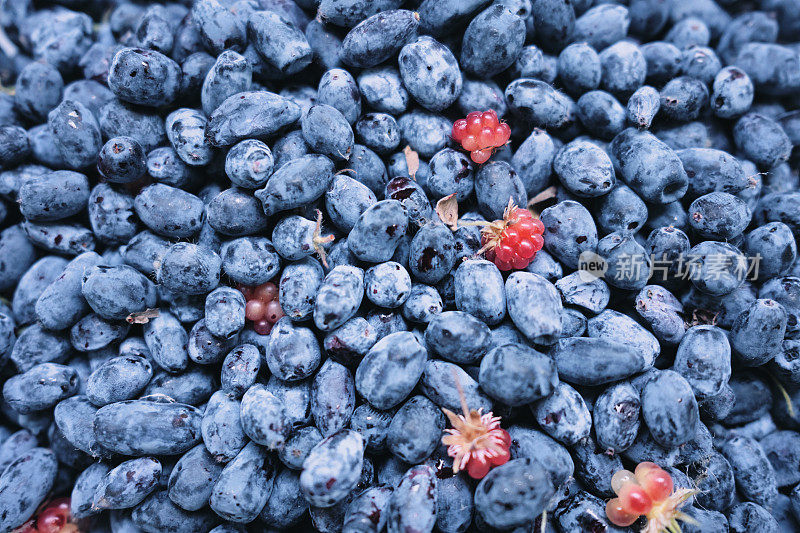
<point x="512" y="243"/>
<point x="648" y="491"/>
<point x="480" y="133"/>
<point x="262" y="308"/>
<point x="54" y="517"/>
<point x="476" y="442"/>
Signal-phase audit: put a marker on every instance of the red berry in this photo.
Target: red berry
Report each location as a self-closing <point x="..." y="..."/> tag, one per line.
<point x="525" y="226"/>
<point x="518" y="214"/>
<point x="477" y="469"/>
<point x="503" y="252"/>
<point x="524" y="214"/>
<point x="512" y="243"/>
<point x="266" y="292"/>
<point x="481" y="156"/>
<point x="262" y="307"/>
<point x="635" y="500"/>
<point x="480" y="133"/>
<point x="525" y="249"/>
<point x="486" y="138"/>
<point x="54" y="517"/>
<point x="620" y="479"/>
<point x="459" y="130"/>
<point x="274" y="312"/>
<point x="503" y="132"/>
<point x="262" y="327"/>
<point x="489" y="119"/>
<point x="501" y="459"/>
<point x="505" y="266"/>
<point x="654" y="480"/>
<point x="247" y="291"/>
<point x="470" y="143"/>
<point x="618" y="515"/>
<point x="474" y="124"/>
<point x="506" y="437"/>
<point x="648" y="492"/>
<point x="254" y="310"/>
<point x="520" y="262"/>
<point x="511" y="236"/>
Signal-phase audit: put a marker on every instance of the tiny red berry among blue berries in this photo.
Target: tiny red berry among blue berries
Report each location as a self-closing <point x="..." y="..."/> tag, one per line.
<point x="511" y="243"/>
<point x="480" y="133"/>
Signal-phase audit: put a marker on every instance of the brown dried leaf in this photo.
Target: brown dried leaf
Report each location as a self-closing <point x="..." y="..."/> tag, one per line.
<point x="447" y="209"/>
<point x="702" y="317"/>
<point x="546" y="194"/>
<point x="142" y="317"/>
<point x="412" y="161"/>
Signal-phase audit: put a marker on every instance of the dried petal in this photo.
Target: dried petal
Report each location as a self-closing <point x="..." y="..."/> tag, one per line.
<point x="447" y="209"/>
<point x="142" y="317"/>
<point x="547" y="194"/>
<point x="412" y="161"/>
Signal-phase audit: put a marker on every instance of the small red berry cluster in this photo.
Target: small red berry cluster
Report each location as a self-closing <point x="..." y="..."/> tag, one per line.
<point x="53" y="517"/>
<point x="479" y="464"/>
<point x="480" y="133"/>
<point x="263" y="307"/>
<point x="512" y="243"/>
<point x="476" y="442"/>
<point x="647" y="491"/>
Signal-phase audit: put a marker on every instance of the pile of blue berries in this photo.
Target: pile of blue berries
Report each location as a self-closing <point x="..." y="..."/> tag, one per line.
<point x="466" y="266"/>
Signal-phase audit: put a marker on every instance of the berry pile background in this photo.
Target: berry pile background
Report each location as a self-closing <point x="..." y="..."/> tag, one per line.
<point x="243" y="265"/>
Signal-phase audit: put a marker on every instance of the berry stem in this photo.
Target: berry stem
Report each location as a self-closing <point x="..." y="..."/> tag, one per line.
<point x="461" y="396"/>
<point x="786" y="397"/>
<point x="318" y="240"/>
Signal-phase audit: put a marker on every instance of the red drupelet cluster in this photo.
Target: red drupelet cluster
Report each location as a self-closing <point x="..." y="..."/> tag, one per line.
<point x="648" y="491"/>
<point x="512" y="243"/>
<point x="476" y="442"/>
<point x="54" y="517"/>
<point x="480" y="133"/>
<point x="263" y="308"/>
